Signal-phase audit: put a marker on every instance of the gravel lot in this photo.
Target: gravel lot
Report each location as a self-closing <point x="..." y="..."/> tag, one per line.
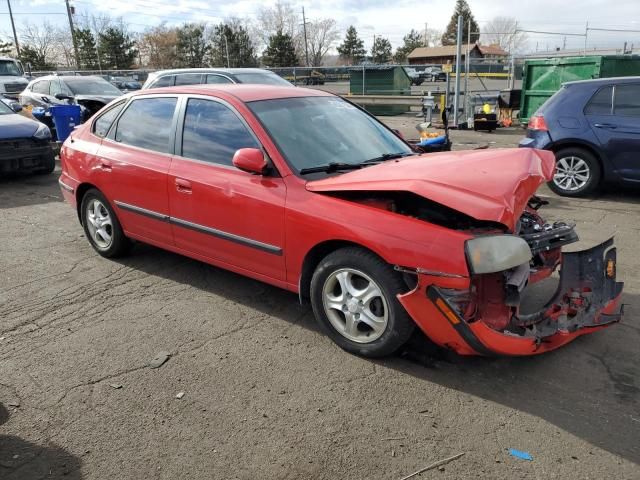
<point x="266" y="395"/>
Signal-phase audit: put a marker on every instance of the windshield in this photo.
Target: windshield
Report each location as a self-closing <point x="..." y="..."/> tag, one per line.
<point x="9" y="67"/>
<point x="5" y="109"/>
<point x="261" y="78"/>
<point x="91" y="87"/>
<point x="316" y="131"/>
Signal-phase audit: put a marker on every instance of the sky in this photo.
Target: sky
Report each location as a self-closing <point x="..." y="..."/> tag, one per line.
<point x="391" y="19"/>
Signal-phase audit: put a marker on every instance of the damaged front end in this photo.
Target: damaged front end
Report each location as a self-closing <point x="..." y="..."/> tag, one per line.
<point x="481" y="314"/>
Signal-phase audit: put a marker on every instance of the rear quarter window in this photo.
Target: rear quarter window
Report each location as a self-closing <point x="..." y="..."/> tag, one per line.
<point x="102" y="125"/>
<point x="165" y="81"/>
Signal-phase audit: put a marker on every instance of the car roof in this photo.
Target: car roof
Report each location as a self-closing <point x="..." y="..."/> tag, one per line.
<point x="68" y="77"/>
<point x="244" y="92"/>
<point x="600" y="81"/>
<point x="231" y="71"/>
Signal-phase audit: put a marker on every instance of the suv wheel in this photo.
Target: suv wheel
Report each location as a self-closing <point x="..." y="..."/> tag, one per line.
<point x="577" y="172"/>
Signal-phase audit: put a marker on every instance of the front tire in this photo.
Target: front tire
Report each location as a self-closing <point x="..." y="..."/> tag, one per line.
<point x="101" y="226"/>
<point x="577" y="172"/>
<point x="353" y="294"/>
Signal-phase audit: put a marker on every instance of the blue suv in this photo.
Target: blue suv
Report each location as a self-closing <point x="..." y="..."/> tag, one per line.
<point x="593" y="128"/>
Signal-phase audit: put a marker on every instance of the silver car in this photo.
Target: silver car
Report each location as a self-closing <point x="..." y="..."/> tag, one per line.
<point x="197" y="76"/>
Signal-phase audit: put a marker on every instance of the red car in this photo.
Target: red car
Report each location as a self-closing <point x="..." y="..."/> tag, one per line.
<point x="303" y="190"/>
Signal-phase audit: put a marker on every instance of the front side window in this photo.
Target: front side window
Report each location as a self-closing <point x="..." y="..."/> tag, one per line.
<point x="600" y="103"/>
<point x="188" y="79"/>
<point x="41" y="87"/>
<point x="166" y="81"/>
<point x="627" y="102"/>
<point x="316" y="131"/>
<point x="217" y="79"/>
<point x="102" y="125"/>
<point x="147" y="123"/>
<point x="213" y="132"/>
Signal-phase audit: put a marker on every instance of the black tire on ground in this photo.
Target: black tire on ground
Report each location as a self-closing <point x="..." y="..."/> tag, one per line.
<point x="572" y="155"/>
<point x="119" y="244"/>
<point x="399" y="326"/>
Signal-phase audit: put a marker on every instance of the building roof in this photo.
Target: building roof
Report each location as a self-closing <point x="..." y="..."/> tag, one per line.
<point x="450" y="50"/>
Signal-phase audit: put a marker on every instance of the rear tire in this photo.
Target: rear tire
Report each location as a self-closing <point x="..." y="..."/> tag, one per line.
<point x="353" y="294"/>
<point x="577" y="172"/>
<point x="102" y="227"/>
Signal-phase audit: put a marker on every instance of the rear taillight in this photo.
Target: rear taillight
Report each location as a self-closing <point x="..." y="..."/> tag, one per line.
<point x="537" y="123"/>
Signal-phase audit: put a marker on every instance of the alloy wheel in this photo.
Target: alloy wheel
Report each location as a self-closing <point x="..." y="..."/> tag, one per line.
<point x="355" y="305"/>
<point x="572" y="173"/>
<point x="99" y="224"/>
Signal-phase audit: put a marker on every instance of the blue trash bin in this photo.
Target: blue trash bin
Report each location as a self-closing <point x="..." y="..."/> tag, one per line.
<point x="65" y="118"/>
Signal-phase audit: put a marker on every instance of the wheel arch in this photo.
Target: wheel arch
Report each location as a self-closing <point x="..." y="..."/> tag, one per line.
<point x="81" y="191"/>
<point x="315" y="255"/>
<point x="574" y="143"/>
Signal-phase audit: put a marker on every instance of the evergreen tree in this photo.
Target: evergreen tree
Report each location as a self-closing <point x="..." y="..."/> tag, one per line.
<point x="381" y="50"/>
<point x="38" y="61"/>
<point x="87" y="51"/>
<point x="192" y="45"/>
<point x="232" y="38"/>
<point x="450" y="35"/>
<point x="117" y="49"/>
<point x="5" y="47"/>
<point x="352" y="48"/>
<point x="281" y="52"/>
<point x="412" y="40"/>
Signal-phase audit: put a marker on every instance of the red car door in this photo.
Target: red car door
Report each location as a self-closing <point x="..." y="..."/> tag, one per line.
<point x="135" y="159"/>
<point x="218" y="211"/>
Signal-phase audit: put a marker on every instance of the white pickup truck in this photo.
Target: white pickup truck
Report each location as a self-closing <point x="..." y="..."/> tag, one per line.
<point x="12" y="79"/>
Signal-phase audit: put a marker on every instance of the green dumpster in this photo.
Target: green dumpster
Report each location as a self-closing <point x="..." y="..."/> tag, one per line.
<point x="381" y="80"/>
<point x="543" y="77"/>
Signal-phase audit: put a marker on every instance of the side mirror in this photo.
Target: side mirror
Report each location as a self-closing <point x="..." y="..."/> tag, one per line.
<point x="16" y="107"/>
<point x="62" y="96"/>
<point x="250" y="160"/>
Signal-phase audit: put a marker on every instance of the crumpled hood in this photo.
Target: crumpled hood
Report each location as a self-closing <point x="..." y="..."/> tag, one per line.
<point x="13" y="125"/>
<point x="491" y="185"/>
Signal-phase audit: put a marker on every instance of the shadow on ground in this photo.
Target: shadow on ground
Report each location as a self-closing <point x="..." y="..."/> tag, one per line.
<point x="20" y="190"/>
<point x="588" y="388"/>
<point x="22" y="460"/>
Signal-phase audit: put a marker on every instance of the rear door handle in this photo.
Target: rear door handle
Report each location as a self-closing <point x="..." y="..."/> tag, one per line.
<point x="105" y="165"/>
<point x="183" y="186"/>
<point x="605" y="125"/>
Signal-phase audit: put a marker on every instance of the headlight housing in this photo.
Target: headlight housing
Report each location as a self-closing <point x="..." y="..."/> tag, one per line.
<point x="42" y="133"/>
<point x="496" y="253"/>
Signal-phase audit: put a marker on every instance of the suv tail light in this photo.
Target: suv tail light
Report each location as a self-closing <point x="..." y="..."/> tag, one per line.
<point x="537" y="123"/>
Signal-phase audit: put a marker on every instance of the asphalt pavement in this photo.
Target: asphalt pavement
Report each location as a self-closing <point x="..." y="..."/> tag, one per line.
<point x="265" y="394"/>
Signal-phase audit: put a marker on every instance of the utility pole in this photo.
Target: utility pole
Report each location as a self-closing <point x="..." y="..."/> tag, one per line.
<point x="73" y="34"/>
<point x="13" y="27"/>
<point x="586" y="34"/>
<point x="456" y="98"/>
<point x="306" y="45"/>
<point x="226" y="48"/>
<point x="467" y="67"/>
<point x="426" y="35"/>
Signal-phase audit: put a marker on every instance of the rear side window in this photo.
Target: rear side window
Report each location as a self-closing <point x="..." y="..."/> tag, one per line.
<point x="147" y="123"/>
<point x="188" y="79"/>
<point x="166" y="81"/>
<point x="212" y="132"/>
<point x="627" y="100"/>
<point x="600" y="103"/>
<point x="102" y="125"/>
<point x="217" y="79"/>
<point x="41" y="87"/>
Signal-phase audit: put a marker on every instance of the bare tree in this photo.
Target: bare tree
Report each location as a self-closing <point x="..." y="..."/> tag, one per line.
<point x="158" y="46"/>
<point x="42" y="40"/>
<point x="434" y="37"/>
<point x="321" y="35"/>
<point x="282" y="17"/>
<point x="502" y="31"/>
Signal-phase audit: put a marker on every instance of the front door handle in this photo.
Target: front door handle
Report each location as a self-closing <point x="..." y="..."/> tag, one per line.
<point x="605" y="125"/>
<point x="183" y="186"/>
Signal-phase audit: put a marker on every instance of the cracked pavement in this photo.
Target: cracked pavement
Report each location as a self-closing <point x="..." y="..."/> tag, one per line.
<point x="266" y="394"/>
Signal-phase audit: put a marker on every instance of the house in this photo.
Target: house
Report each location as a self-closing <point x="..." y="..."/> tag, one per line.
<point x="447" y="54"/>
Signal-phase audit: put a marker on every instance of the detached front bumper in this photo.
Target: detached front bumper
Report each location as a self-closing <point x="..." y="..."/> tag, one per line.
<point x="587" y="300"/>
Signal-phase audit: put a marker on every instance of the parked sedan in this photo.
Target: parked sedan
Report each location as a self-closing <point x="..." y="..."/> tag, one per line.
<point x="303" y="190"/>
<point x="93" y="93"/>
<point x="215" y="76"/>
<point x="24" y="143"/>
<point x="593" y="128"/>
